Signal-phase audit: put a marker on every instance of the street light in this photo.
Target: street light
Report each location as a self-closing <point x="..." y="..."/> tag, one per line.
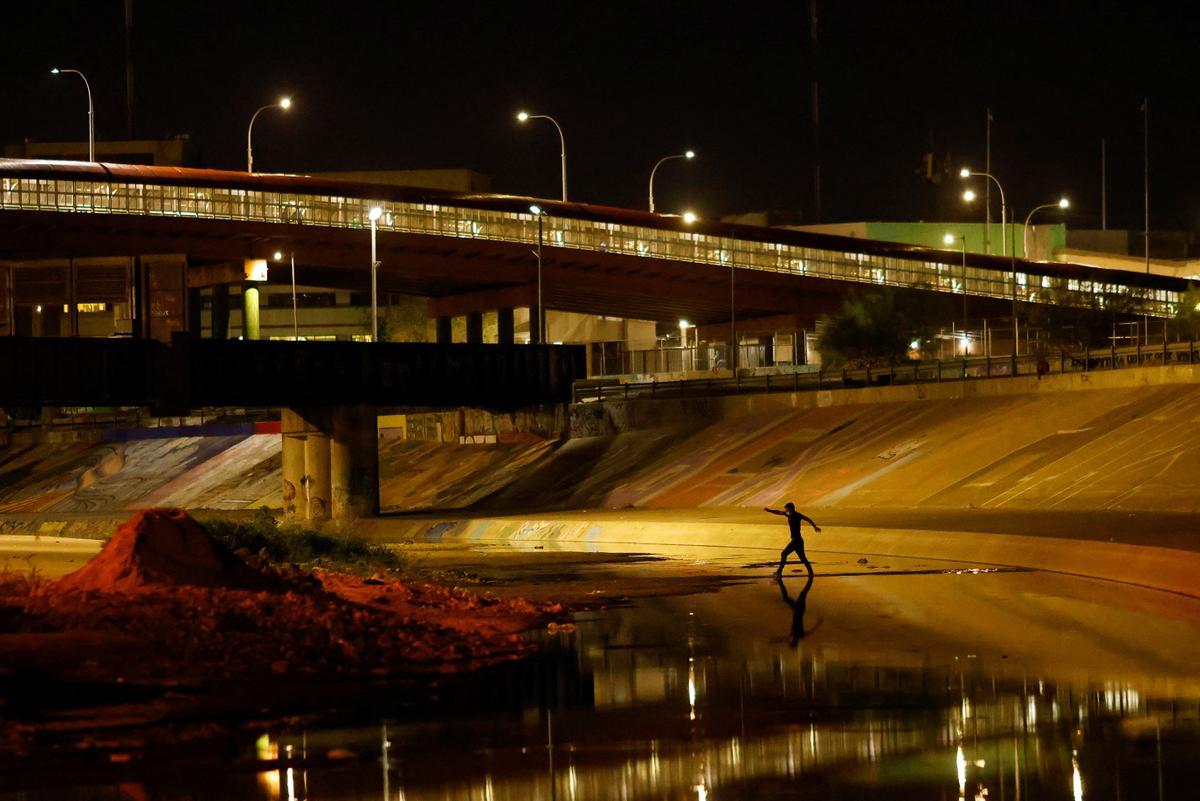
<point x="373" y="215"/>
<point x="690" y="217"/>
<point x="524" y="116"/>
<point x="683" y="343"/>
<point x="966" y="173"/>
<point x="689" y="155"/>
<point x="949" y="240"/>
<point x="1063" y="203"/>
<point x="969" y="196"/>
<point x="91" y="110"/>
<point x="540" y="336"/>
<point x="284" y="103"/>
<point x="295" y="305"/>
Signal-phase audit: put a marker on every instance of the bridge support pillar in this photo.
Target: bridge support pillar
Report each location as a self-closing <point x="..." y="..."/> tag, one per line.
<point x="354" y="462"/>
<point x="445" y="329"/>
<point x="475" y="328"/>
<point x="250" y="311"/>
<point x="505" y="327"/>
<point x="535" y="327"/>
<point x="293" y="470"/>
<point x="330" y="463"/>
<point x="220" y="312"/>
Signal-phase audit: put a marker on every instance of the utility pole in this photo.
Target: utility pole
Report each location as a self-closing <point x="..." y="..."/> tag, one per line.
<point x="1146" y="175"/>
<point x="1103" y="185"/>
<point x="987" y="190"/>
<point x="129" y="69"/>
<point x="818" y="210"/>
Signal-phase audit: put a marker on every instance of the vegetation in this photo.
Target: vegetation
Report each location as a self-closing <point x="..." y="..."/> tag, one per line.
<point x="297" y="545"/>
<point x="876" y="327"/>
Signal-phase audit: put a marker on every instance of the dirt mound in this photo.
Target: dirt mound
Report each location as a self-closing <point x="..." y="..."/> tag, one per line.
<point x="162" y="547"/>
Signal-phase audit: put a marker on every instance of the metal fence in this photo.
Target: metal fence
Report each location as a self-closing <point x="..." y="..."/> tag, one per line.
<point x="911" y="372"/>
<point x="216" y="202"/>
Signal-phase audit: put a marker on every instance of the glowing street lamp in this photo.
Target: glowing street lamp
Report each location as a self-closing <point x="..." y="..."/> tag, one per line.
<point x="969" y="196"/>
<point x="524" y="116"/>
<point x="690" y="217"/>
<point x="91" y="110"/>
<point x="966" y="173"/>
<point x="284" y="103"/>
<point x="540" y="336"/>
<point x="949" y="240"/>
<point x="1063" y="203"/>
<point x="373" y="215"/>
<point x="688" y="154"/>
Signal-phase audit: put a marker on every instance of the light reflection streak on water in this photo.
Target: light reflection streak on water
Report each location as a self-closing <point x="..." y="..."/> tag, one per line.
<point x="960" y="762"/>
<point x="691" y="686"/>
<point x="1076" y="779"/>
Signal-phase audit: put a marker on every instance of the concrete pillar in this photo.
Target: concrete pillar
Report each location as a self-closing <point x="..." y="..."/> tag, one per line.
<point x="250" y="311"/>
<point x="293" y="474"/>
<point x="535" y="337"/>
<point x="220" y="311"/>
<point x="194" y="304"/>
<point x="354" y="462"/>
<point x="445" y="330"/>
<point x="505" y="327"/>
<point x="768" y="351"/>
<point x="317" y="494"/>
<point x="475" y="328"/>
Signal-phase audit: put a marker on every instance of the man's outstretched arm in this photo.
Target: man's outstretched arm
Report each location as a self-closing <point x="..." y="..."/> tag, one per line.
<point x="777" y="512"/>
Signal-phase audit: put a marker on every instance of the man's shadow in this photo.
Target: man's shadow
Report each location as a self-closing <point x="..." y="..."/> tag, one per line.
<point x="798" y="605"/>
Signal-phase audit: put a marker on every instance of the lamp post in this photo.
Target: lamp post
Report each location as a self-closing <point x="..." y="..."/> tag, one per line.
<point x="295" y="313"/>
<point x="373" y="215"/>
<point x="688" y="154"/>
<point x="540" y="336"/>
<point x="969" y="196"/>
<point x="949" y="240"/>
<point x="284" y="103"/>
<point x="1063" y="203"/>
<point x="683" y="345"/>
<point x="91" y="110"/>
<point x="966" y="173"/>
<point x="562" y="141"/>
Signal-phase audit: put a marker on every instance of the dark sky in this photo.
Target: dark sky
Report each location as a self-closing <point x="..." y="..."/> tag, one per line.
<point x="431" y="84"/>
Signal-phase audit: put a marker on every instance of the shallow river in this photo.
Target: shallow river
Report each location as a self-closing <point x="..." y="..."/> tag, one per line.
<point x="895" y="680"/>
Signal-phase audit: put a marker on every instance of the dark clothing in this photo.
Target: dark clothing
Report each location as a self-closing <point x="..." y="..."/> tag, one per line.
<point x="796" y="546"/>
<point x="794" y="520"/>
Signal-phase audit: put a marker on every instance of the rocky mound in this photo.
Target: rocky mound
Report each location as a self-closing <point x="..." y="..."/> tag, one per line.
<point x="162" y="548"/>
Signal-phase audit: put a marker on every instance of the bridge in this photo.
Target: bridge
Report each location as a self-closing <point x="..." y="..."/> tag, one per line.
<point x="471" y="253"/>
<point x="329" y="393"/>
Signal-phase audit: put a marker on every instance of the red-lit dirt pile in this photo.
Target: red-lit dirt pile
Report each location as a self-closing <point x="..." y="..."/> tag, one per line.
<point x="162" y="548"/>
<point x="164" y="603"/>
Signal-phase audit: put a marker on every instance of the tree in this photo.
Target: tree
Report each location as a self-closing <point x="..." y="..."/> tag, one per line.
<point x="876" y="326"/>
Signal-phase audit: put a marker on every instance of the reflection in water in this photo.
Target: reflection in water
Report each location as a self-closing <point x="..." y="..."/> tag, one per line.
<point x="599" y="714"/>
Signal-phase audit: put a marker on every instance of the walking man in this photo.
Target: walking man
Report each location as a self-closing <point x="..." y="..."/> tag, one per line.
<point x="796" y="546"/>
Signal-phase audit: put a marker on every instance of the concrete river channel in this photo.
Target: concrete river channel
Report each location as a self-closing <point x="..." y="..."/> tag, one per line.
<point x="697" y="676"/>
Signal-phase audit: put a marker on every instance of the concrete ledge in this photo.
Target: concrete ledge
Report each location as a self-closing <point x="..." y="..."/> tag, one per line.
<point x="615" y="416"/>
<point x="1152" y="567"/>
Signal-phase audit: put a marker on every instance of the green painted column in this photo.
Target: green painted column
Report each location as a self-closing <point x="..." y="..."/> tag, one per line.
<point x="250" y="311"/>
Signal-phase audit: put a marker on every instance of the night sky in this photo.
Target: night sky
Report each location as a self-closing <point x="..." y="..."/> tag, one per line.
<point x="424" y="85"/>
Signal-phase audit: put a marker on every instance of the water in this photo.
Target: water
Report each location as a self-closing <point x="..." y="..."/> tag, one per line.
<point x="909" y="685"/>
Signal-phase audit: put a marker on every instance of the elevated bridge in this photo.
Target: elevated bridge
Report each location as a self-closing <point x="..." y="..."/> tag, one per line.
<point x="471" y="251"/>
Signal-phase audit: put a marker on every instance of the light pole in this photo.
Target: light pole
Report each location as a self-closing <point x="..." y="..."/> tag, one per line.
<point x="969" y="196"/>
<point x="949" y="240"/>
<point x="540" y="336"/>
<point x="688" y="154"/>
<point x="91" y="110"/>
<point x="373" y="215"/>
<point x="1063" y="203"/>
<point x="295" y="312"/>
<point x="966" y="173"/>
<point x="524" y="116"/>
<point x="284" y="103"/>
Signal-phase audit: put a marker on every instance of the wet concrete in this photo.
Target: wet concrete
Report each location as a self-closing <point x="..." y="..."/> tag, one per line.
<point x="699" y="677"/>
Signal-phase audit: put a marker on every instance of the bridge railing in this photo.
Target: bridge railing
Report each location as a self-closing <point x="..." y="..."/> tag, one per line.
<point x="216" y="202"/>
<point x="910" y="372"/>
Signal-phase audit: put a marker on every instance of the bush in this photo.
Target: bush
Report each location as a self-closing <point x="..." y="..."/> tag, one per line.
<point x="291" y="544"/>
